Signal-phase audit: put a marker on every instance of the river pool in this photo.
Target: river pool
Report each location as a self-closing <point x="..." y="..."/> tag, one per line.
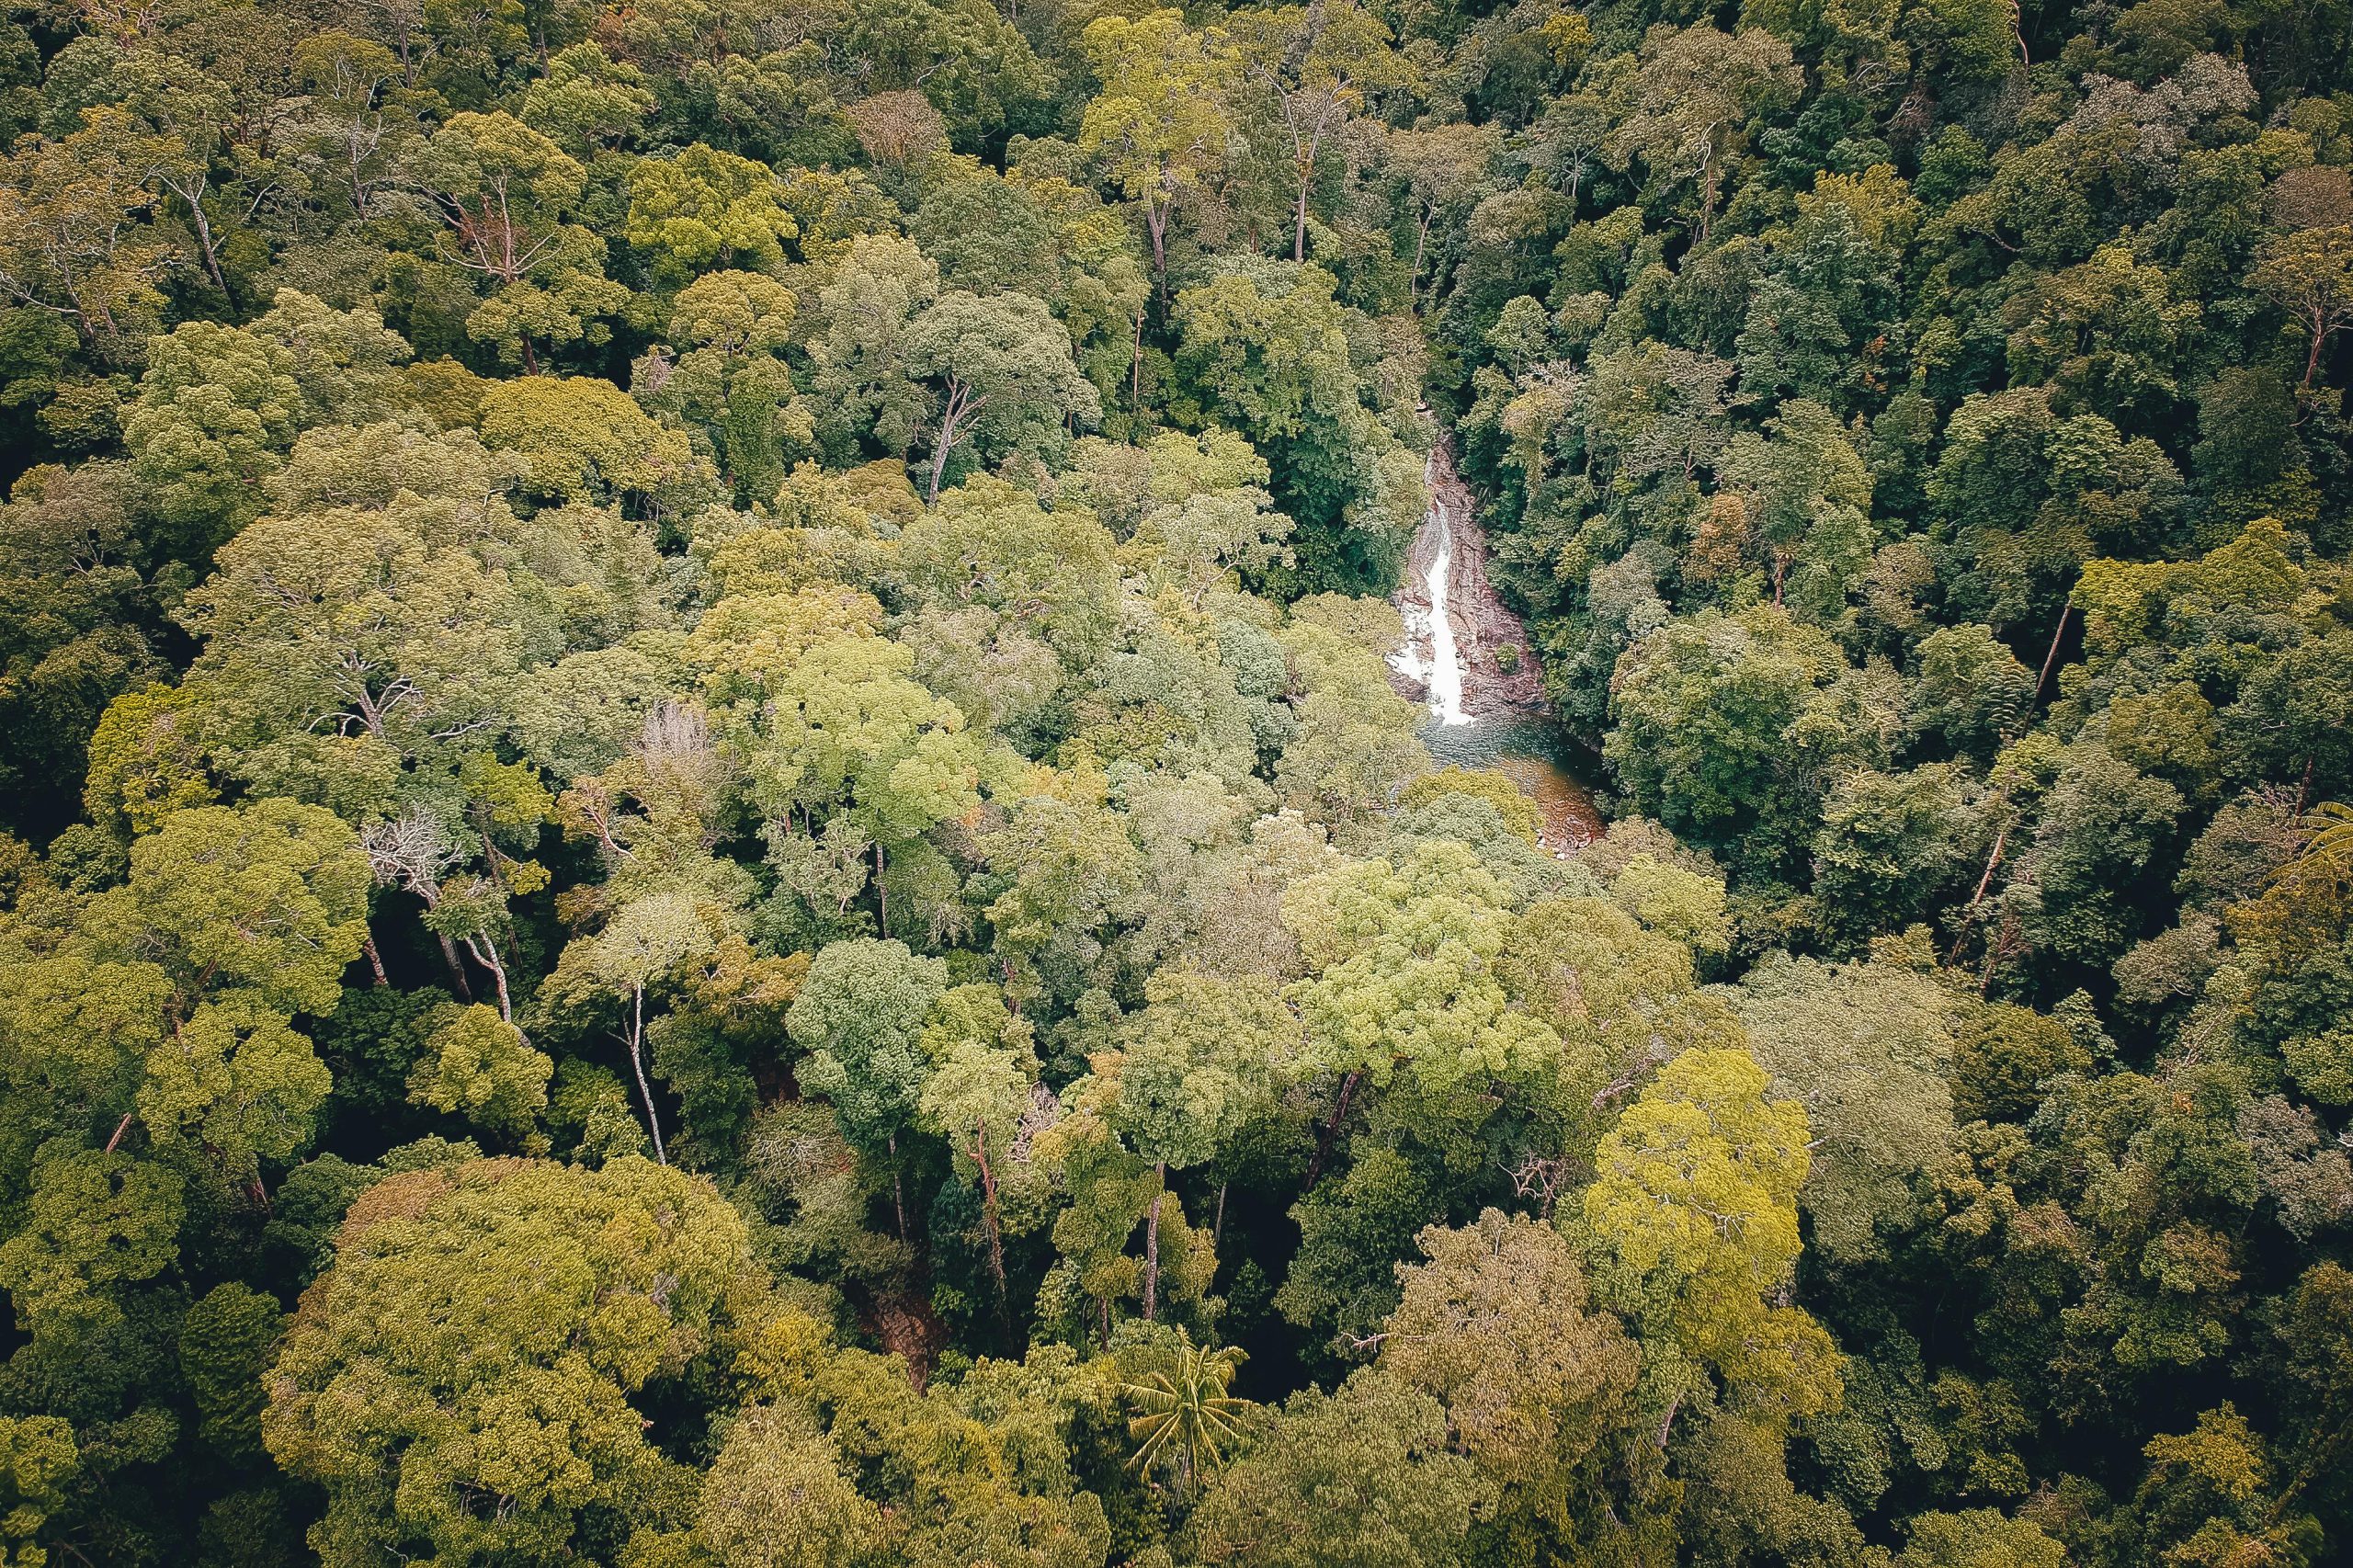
<point x="1529" y="750"/>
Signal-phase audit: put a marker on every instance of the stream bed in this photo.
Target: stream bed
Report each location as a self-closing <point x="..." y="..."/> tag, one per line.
<point x="1468" y="659"/>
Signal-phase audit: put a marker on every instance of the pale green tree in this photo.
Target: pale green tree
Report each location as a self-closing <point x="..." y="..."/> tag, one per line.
<point x="478" y="1065"/>
<point x="1003" y="372"/>
<point x="775" y="1496"/>
<point x="1687" y="108"/>
<point x="1497" y="1324"/>
<point x="1160" y="123"/>
<point x="1317" y="67"/>
<point x="1697" y="1197"/>
<point x="1363" y="1476"/>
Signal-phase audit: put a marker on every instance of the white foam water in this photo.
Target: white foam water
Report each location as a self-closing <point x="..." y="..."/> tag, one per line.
<point x="1446" y="663"/>
<point x="1430" y="657"/>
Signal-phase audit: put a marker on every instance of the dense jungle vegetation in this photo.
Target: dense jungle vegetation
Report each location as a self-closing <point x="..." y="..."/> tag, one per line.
<point x="708" y="861"/>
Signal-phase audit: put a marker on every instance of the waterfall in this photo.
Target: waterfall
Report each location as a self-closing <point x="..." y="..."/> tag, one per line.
<point x="1512" y="731"/>
<point x="1430" y="657"/>
<point x="1446" y="663"/>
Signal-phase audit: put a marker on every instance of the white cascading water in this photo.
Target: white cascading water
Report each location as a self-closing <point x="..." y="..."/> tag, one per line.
<point x="1446" y="665"/>
<point x="1440" y="674"/>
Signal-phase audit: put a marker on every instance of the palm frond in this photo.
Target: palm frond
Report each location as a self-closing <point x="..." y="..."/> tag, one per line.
<point x="2326" y="854"/>
<point x="1185" y="1409"/>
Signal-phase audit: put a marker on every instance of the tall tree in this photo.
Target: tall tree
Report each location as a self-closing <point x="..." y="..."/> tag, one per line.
<point x="1161" y="122"/>
<point x="1316" y="67"/>
<point x="1003" y="368"/>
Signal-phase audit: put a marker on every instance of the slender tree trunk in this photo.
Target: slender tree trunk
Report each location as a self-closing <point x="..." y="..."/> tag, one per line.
<point x="203" y="226"/>
<point x="119" y="1129"/>
<point x="881" y="897"/>
<point x="1969" y="916"/>
<point x="1155" y="219"/>
<point x="2052" y="657"/>
<point x="486" y="953"/>
<point x="375" y="959"/>
<point x="2003" y="944"/>
<point x="1992" y="861"/>
<point x="898" y="1191"/>
<point x="988" y="1214"/>
<point x="1152" y="1247"/>
<point x="637" y="1061"/>
<point x="949" y="418"/>
<point x="1299" y="226"/>
<point x="1414" y="280"/>
<point x="457" y="969"/>
<point x="1135" y="368"/>
<point x="1217" y="1230"/>
<point x="1331" y="1130"/>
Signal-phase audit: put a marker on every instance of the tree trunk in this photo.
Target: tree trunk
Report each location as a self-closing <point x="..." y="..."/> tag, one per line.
<point x="375" y="959"/>
<point x="1135" y="368"/>
<point x="938" y="466"/>
<point x="1216" y="1229"/>
<point x="898" y="1192"/>
<point x="949" y="417"/>
<point x="486" y="953"/>
<point x="2052" y="657"/>
<point x="203" y="227"/>
<point x="1299" y="226"/>
<point x="457" y="969"/>
<point x="1969" y="916"/>
<point x="1155" y="219"/>
<point x="637" y="1061"/>
<point x="1152" y="1247"/>
<point x="988" y="1214"/>
<point x="1331" y="1128"/>
<point x="882" y="897"/>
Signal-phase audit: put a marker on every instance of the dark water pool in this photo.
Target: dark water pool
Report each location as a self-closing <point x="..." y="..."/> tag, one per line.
<point x="1533" y="754"/>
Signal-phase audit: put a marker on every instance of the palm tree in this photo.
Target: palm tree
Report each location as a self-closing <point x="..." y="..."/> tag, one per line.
<point x="1186" y="1408"/>
<point x="2327" y="852"/>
